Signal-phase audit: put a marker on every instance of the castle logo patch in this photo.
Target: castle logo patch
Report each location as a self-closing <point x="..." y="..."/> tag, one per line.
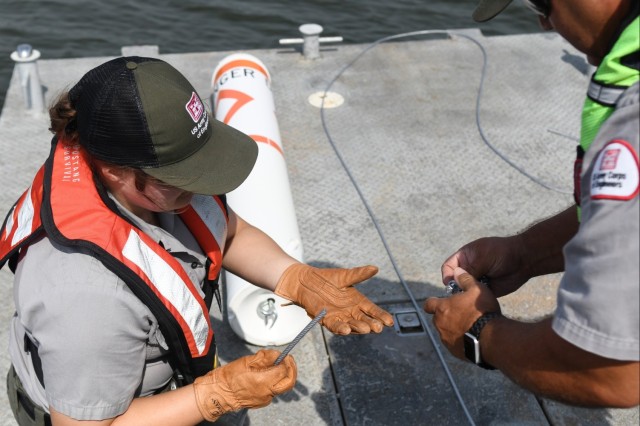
<point x="616" y="172"/>
<point x="194" y="107"/>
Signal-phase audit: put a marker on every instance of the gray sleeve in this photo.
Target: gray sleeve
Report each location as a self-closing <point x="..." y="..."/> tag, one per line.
<point x="90" y="328"/>
<point x="598" y="298"/>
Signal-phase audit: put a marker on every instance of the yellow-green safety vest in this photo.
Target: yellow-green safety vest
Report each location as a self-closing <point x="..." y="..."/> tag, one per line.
<point x="617" y="72"/>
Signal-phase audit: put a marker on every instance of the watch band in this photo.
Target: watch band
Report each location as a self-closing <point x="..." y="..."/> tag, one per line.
<point x="477" y="326"/>
<point x="472" y="340"/>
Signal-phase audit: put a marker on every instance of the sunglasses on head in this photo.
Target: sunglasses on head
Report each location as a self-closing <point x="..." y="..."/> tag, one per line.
<point x="540" y="7"/>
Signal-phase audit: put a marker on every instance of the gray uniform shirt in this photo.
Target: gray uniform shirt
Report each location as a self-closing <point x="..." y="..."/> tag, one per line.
<point x="97" y="340"/>
<point x="598" y="298"/>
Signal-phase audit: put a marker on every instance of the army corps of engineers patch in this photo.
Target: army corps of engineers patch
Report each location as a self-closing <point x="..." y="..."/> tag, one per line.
<point x="616" y="172"/>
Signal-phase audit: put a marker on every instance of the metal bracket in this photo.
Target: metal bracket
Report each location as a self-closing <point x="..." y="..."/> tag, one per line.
<point x="407" y="323"/>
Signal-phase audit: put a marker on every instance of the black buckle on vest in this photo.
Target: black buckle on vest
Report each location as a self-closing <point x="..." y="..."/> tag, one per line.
<point x="211" y="288"/>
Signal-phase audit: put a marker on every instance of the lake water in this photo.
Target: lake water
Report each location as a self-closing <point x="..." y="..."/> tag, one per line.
<point x="81" y="28"/>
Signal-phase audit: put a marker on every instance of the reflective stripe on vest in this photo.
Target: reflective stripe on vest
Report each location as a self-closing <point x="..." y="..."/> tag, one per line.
<point x="604" y="95"/>
<point x="23" y="219"/>
<point x="206" y="218"/>
<point x="609" y="81"/>
<point x="74" y="213"/>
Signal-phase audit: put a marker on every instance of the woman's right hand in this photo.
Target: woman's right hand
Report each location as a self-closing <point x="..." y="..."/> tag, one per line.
<point x="500" y="259"/>
<point x="248" y="382"/>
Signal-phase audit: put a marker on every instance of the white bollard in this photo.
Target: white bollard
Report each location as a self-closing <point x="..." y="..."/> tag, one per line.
<point x="243" y="99"/>
<point x="26" y="63"/>
<point x="310" y="40"/>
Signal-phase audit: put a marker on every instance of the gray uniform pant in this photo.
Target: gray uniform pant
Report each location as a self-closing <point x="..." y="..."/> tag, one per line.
<point x="26" y="412"/>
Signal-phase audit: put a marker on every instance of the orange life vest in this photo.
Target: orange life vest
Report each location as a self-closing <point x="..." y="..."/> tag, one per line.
<point x="65" y="204"/>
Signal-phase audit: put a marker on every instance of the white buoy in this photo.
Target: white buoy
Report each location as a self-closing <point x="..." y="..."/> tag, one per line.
<point x="242" y="98"/>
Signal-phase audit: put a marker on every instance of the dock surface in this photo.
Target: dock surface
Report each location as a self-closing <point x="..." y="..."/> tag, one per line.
<point x="400" y="175"/>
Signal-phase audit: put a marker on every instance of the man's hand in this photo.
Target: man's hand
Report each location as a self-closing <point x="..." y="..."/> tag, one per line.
<point x="348" y="310"/>
<point x="248" y="382"/>
<point x="509" y="262"/>
<point x="453" y="316"/>
<point x="498" y="258"/>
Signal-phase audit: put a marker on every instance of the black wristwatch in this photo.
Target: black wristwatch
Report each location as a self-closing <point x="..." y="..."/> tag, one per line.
<point x="472" y="340"/>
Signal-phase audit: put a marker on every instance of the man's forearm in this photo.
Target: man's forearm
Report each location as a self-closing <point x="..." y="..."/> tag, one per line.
<point x="543" y="242"/>
<point x="536" y="358"/>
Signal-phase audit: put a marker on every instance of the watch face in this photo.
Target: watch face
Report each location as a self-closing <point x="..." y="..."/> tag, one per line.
<point x="472" y="348"/>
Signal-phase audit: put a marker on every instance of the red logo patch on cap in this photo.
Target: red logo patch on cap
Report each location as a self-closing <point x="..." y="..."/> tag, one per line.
<point x="194" y="107"/>
<point x="616" y="173"/>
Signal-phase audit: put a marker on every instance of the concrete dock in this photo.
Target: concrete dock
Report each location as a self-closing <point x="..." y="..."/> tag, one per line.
<point x="398" y="176"/>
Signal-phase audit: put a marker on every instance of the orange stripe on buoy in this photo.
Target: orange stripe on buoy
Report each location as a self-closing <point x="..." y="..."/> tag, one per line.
<point x="264" y="139"/>
<point x="240" y="97"/>
<point x="240" y="63"/>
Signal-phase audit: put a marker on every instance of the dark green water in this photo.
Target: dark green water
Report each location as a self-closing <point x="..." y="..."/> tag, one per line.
<point x="81" y="28"/>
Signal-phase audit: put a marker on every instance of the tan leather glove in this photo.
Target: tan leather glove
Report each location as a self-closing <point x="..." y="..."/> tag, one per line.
<point x="248" y="382"/>
<point x="348" y="310"/>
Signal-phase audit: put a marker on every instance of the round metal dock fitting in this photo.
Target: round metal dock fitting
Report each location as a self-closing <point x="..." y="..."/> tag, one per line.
<point x="326" y="99"/>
